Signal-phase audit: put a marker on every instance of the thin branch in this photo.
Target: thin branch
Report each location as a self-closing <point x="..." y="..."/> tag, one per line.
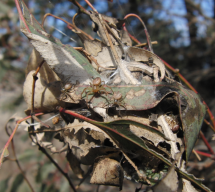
<point x="197" y="155"/>
<point x="45" y="130"/>
<point x="93" y="8"/>
<point x="145" y="29"/>
<point x="114" y="35"/>
<point x="71" y="26"/>
<point x="145" y="44"/>
<point x="109" y="39"/>
<point x="91" y="58"/>
<point x="206" y="142"/>
<point x="57" y="166"/>
<point x="206" y="154"/>
<point x="81" y="9"/>
<point x="131" y="36"/>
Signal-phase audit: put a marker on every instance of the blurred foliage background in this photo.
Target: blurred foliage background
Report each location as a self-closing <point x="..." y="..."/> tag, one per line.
<point x="185" y="33"/>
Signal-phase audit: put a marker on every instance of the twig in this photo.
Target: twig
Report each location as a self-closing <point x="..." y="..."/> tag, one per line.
<point x="91" y="58"/>
<point x="131" y="36"/>
<point x="45" y="130"/>
<point x="57" y="166"/>
<point x="109" y="39"/>
<point x="208" y="124"/>
<point x="114" y="35"/>
<point x="21" y="16"/>
<point x="144" y="44"/>
<point x="198" y="157"/>
<point x="212" y="156"/>
<point x="37" y="119"/>
<point x="145" y="29"/>
<point x="93" y="8"/>
<point x="81" y="9"/>
<point x="17" y="161"/>
<point x="206" y="142"/>
<point x="71" y="26"/>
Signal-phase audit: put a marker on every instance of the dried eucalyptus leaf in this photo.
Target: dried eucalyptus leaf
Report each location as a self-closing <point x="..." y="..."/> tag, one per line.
<point x="105" y="56"/>
<point x="125" y="39"/>
<point x="107" y="172"/>
<point x="95" y="132"/>
<point x="138" y="54"/>
<point x="154" y="138"/>
<point x="46" y="94"/>
<point x="93" y="47"/>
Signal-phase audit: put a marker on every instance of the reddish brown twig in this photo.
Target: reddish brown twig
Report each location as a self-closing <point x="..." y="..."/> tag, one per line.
<point x="145" y="29"/>
<point x="212" y="156"/>
<point x="93" y="8"/>
<point x="206" y="142"/>
<point x="69" y="25"/>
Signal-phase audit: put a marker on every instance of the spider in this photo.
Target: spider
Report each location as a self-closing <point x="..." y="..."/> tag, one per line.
<point x="97" y="88"/>
<point x="118" y="100"/>
<point x="68" y="88"/>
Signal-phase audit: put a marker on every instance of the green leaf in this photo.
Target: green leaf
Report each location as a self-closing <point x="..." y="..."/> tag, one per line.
<point x="4" y="184"/>
<point x="17" y="182"/>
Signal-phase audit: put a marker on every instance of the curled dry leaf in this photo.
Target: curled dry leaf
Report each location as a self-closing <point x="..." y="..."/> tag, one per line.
<point x="46" y="94"/>
<point x="84" y="140"/>
<point x="143" y="55"/>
